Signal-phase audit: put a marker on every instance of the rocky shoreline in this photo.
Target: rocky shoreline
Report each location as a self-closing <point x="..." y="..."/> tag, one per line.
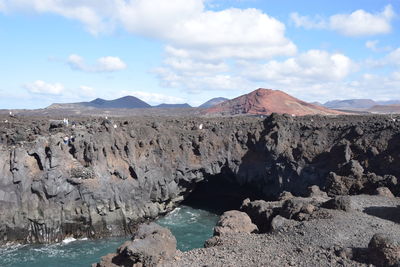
<point x="110" y="175"/>
<point x="316" y="230"/>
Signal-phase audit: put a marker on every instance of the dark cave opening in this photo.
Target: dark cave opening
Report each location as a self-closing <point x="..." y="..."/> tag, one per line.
<point x="220" y="193"/>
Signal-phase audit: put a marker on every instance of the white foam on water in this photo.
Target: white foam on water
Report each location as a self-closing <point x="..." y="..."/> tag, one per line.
<point x="68" y="240"/>
<point x="175" y="211"/>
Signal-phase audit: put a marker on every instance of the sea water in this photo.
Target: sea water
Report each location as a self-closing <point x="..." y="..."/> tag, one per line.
<point x="190" y="226"/>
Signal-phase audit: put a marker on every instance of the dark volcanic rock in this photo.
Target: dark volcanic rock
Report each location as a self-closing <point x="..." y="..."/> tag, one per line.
<point x="339" y="203"/>
<point x="116" y="173"/>
<point x="384" y="250"/>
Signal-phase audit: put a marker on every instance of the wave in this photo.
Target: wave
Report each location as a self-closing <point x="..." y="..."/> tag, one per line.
<point x="68" y="240"/>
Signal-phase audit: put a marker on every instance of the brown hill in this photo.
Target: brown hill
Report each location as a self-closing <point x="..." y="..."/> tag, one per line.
<point x="395" y="108"/>
<point x="267" y="101"/>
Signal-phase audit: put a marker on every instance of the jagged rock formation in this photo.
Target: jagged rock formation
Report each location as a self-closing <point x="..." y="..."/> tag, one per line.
<point x="267" y="101"/>
<point x="113" y="174"/>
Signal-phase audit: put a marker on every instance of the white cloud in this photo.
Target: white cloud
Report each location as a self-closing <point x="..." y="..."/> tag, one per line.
<point x="93" y="14"/>
<point x="86" y="91"/>
<point x="199" y="83"/>
<point x="379" y="87"/>
<point x="201" y="45"/>
<point x="357" y="23"/>
<point x="195" y="67"/>
<point x="391" y="59"/>
<point x="311" y="66"/>
<point x="106" y="64"/>
<point x="103" y="64"/>
<point x="154" y="98"/>
<point x="41" y="87"/>
<point x="306" y="22"/>
<point x="183" y="24"/>
<point x="373" y="45"/>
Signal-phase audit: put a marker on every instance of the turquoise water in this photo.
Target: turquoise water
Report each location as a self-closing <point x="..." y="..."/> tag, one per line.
<point x="190" y="226"/>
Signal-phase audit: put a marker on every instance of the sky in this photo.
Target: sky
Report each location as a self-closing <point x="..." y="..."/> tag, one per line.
<point x="189" y="51"/>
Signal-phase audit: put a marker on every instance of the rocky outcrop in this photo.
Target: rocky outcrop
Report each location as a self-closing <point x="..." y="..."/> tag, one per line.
<point x="100" y="177"/>
<point x="365" y="235"/>
<point x="151" y="245"/>
<point x="272" y="215"/>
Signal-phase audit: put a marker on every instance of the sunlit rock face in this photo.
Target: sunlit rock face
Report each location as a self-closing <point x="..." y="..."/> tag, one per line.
<point x="101" y="177"/>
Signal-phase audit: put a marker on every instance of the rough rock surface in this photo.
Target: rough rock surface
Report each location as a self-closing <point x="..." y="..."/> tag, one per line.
<point x="271" y="215"/>
<point x="384" y="250"/>
<point x="111" y="174"/>
<point x="151" y="245"/>
<point x="328" y="238"/>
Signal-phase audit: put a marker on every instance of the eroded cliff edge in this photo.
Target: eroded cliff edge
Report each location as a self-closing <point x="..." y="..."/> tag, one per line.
<point x="115" y="173"/>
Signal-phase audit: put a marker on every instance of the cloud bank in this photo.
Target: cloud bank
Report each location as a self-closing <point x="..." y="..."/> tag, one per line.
<point x="103" y="64"/>
<point x="355" y="24"/>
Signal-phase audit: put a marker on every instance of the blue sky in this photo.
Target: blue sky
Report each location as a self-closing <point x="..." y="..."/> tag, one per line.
<point x="180" y="51"/>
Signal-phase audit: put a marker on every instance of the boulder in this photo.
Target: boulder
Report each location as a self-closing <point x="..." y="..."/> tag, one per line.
<point x="261" y="212"/>
<point x="285" y="195"/>
<point x="315" y="192"/>
<point x="279" y="223"/>
<point x="339" y="203"/>
<point x="213" y="241"/>
<point x="384" y="250"/>
<point x="384" y="191"/>
<point x="234" y="221"/>
<point x="297" y="208"/>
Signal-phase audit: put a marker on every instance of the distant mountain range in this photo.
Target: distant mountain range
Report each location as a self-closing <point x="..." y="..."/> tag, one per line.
<point x="123" y="102"/>
<point x="267" y="101"/>
<point x="163" y="105"/>
<point x="260" y="101"/>
<point x="367" y="105"/>
<point x="213" y="102"/>
<point x="350" y="104"/>
<point x="395" y="108"/>
<point x="127" y="102"/>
